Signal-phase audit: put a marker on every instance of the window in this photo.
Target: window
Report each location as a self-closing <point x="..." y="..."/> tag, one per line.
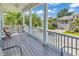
<point x="77" y="16"/>
<point x="66" y="21"/>
<point x="71" y="19"/>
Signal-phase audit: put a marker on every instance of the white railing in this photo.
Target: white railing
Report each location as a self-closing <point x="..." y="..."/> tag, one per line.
<point x="60" y="41"/>
<point x="14" y="29"/>
<point x="38" y="33"/>
<point x="63" y="42"/>
<point x="26" y="28"/>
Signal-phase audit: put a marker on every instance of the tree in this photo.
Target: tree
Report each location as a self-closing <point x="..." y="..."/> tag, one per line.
<point x="15" y="18"/>
<point x="39" y="22"/>
<point x="12" y="18"/>
<point x="75" y="23"/>
<point x="64" y="12"/>
<point x="52" y="23"/>
<point x="36" y="20"/>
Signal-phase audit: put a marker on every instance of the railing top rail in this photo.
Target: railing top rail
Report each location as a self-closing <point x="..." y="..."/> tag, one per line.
<point x="77" y="37"/>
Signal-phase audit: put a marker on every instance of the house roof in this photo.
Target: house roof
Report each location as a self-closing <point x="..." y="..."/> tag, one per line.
<point x="75" y="14"/>
<point x="68" y="17"/>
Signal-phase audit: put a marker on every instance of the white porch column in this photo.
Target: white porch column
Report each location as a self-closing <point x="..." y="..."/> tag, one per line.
<point x="1" y="25"/>
<point x="45" y="33"/>
<point x="30" y="21"/>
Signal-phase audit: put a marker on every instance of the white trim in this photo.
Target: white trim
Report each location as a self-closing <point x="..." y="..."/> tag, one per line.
<point x="1" y="25"/>
<point x="37" y="5"/>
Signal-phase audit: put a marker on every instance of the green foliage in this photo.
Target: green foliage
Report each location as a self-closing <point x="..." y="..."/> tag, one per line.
<point x="64" y="12"/>
<point x="12" y="18"/>
<point x="51" y="27"/>
<point x="15" y="18"/>
<point x="52" y="24"/>
<point x="66" y="21"/>
<point x="39" y="22"/>
<point x="71" y="33"/>
<point x="75" y="23"/>
<point x="36" y="21"/>
<point x="76" y="30"/>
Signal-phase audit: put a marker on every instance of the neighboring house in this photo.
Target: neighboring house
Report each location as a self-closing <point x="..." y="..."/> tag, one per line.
<point x="65" y="22"/>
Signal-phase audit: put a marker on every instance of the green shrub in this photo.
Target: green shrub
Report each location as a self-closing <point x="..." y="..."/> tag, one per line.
<point x="51" y="27"/>
<point x="76" y="30"/>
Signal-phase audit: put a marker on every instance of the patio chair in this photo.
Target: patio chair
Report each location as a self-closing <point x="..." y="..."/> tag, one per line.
<point x="1" y="50"/>
<point x="7" y="33"/>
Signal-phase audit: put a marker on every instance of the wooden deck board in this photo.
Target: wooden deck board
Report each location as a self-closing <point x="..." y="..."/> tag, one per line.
<point x="30" y="46"/>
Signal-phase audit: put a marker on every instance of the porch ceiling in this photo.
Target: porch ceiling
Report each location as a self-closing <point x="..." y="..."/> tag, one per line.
<point x="16" y="6"/>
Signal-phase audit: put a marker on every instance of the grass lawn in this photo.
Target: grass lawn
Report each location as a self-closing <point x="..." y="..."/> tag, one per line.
<point x="71" y="33"/>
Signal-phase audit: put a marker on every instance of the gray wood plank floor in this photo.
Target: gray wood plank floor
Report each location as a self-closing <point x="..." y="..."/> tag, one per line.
<point x="30" y="46"/>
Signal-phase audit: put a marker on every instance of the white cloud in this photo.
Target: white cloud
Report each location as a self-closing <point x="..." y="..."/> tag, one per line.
<point x="28" y="12"/>
<point x="49" y="10"/>
<point x="32" y="11"/>
<point x="52" y="11"/>
<point x="71" y="10"/>
<point x="55" y="9"/>
<point x="74" y="5"/>
<point x="39" y="12"/>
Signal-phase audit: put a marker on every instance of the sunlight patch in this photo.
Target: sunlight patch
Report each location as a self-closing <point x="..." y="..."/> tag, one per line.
<point x="15" y="34"/>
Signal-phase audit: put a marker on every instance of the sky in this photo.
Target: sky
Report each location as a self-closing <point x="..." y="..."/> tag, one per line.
<point x="54" y="8"/>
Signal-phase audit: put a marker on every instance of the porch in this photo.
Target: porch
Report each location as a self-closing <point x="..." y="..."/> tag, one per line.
<point x="37" y="42"/>
<point x="30" y="45"/>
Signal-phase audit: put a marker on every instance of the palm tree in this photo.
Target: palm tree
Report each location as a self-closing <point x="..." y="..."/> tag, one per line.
<point x="12" y="18"/>
<point x="36" y="21"/>
<point x="64" y="12"/>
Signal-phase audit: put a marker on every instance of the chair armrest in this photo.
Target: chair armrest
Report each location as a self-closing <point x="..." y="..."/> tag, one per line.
<point x="14" y="47"/>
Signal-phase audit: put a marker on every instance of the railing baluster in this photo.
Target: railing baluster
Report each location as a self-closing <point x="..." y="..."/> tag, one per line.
<point x="61" y="41"/>
<point x="49" y="36"/>
<point x="76" y="47"/>
<point x="68" y="44"/>
<point x="53" y="39"/>
<point x="58" y="41"/>
<point x="64" y="43"/>
<point x="72" y="46"/>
